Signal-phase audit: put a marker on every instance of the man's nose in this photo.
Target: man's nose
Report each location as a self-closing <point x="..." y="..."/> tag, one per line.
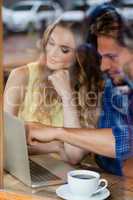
<point x="105" y="64"/>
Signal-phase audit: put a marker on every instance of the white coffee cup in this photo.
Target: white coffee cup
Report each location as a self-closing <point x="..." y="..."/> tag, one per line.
<point x="85" y="182"/>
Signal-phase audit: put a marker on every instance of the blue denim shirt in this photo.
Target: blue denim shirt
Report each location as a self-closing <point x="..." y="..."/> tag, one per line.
<point x="117" y="113"/>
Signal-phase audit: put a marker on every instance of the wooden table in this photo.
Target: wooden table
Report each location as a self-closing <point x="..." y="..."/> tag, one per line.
<point x="18" y="59"/>
<point x="19" y="50"/>
<point x="120" y="188"/>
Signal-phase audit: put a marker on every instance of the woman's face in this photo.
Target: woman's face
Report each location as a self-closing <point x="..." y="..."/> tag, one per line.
<point x="60" y="49"/>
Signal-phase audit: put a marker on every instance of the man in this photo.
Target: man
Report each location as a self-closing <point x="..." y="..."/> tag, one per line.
<point x="127" y="42"/>
<point x="111" y="141"/>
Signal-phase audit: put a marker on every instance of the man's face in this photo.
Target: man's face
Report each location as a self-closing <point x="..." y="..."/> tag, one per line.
<point x="114" y="58"/>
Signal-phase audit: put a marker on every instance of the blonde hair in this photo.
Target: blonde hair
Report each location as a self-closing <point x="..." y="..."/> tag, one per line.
<point x="79" y="80"/>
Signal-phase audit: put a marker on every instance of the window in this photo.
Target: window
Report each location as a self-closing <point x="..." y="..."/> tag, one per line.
<point x="45" y="8"/>
<point x="22" y="7"/>
<point x="127" y="3"/>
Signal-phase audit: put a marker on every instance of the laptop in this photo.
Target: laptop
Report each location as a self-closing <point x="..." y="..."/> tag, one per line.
<point x="34" y="171"/>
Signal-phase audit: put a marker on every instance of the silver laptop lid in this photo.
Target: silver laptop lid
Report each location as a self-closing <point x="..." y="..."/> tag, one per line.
<point x="16" y="153"/>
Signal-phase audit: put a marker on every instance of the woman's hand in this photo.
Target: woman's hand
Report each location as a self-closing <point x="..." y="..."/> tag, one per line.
<point x="61" y="82"/>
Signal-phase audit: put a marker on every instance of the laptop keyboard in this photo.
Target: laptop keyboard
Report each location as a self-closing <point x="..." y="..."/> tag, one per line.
<point x="40" y="174"/>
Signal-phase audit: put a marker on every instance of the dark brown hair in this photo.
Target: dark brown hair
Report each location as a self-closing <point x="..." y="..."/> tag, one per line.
<point x="104" y="20"/>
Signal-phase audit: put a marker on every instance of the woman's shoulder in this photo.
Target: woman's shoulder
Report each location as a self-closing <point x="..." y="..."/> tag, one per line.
<point x="19" y="75"/>
<point x="23" y="71"/>
<point x="33" y="68"/>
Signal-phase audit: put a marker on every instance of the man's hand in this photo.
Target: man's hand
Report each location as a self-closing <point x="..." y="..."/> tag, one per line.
<point x="39" y="133"/>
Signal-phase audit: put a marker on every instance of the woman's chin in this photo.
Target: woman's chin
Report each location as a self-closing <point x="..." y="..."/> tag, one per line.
<point x="55" y="67"/>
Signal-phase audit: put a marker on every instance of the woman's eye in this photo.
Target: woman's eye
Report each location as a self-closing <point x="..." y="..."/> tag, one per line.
<point x="65" y="50"/>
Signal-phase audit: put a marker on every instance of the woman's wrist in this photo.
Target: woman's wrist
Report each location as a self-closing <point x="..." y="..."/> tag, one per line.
<point x="69" y="102"/>
<point x="67" y="97"/>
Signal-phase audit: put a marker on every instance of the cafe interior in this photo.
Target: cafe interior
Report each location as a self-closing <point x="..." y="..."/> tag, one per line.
<point x="50" y="173"/>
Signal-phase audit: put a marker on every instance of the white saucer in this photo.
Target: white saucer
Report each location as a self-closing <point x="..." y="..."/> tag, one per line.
<point x="64" y="193"/>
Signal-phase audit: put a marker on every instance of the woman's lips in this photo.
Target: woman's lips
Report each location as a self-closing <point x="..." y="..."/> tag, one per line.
<point x="52" y="61"/>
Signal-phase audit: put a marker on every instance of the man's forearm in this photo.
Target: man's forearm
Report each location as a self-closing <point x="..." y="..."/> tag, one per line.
<point x="100" y="141"/>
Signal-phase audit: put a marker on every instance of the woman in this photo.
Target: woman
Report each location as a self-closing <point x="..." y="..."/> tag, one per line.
<point x="43" y="93"/>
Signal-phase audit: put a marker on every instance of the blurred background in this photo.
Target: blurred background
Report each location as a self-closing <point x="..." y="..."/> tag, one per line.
<point x="24" y="22"/>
